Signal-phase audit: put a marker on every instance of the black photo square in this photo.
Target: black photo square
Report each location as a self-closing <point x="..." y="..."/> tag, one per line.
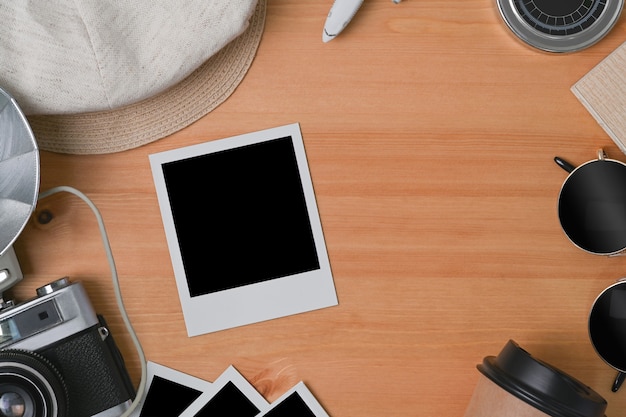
<point x="240" y="216"/>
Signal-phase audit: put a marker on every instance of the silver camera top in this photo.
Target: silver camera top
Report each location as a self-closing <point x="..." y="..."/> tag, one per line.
<point x="60" y="309"/>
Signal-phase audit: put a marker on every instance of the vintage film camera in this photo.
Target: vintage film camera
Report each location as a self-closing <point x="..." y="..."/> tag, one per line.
<point x="57" y="357"/>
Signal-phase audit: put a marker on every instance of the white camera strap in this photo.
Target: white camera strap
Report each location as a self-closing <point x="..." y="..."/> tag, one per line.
<point x="116" y="287"/>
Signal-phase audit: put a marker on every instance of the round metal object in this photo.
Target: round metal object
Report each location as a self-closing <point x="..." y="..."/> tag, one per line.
<point x="19" y="171"/>
<point x="560" y="25"/>
<point x="53" y="286"/>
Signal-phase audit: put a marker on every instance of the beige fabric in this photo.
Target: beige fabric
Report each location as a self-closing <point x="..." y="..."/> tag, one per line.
<point x="143" y="86"/>
<point x="603" y="92"/>
<point x="66" y="56"/>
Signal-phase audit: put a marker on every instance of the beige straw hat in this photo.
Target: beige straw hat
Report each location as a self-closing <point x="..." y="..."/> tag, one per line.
<point x="102" y="76"/>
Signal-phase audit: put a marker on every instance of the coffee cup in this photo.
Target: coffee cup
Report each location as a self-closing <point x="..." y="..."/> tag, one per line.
<point x="514" y="384"/>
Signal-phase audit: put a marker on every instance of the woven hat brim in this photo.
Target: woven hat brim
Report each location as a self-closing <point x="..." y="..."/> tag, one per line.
<point x="159" y="116"/>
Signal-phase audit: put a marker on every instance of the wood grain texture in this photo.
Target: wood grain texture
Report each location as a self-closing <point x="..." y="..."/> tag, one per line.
<point x="430" y="132"/>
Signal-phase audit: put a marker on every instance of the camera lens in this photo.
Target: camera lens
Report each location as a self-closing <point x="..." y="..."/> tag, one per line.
<point x="14" y="402"/>
<point x="30" y="386"/>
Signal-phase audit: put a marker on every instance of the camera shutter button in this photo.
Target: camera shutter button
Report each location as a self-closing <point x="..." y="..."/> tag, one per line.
<point x="53" y="286"/>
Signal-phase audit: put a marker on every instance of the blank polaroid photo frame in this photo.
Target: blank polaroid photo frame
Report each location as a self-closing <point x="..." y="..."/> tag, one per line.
<point x="231" y="395"/>
<point x="297" y="402"/>
<point x="243" y="229"/>
<point x="163" y="382"/>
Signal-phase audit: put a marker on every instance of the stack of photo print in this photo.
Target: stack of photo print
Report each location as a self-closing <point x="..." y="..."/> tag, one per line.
<point x="171" y="393"/>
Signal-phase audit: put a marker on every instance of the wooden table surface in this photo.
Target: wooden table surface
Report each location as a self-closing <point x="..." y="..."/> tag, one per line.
<point x="430" y="132"/>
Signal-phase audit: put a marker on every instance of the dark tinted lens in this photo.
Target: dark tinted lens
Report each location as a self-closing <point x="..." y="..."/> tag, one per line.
<point x="592" y="207"/>
<point x="607" y="326"/>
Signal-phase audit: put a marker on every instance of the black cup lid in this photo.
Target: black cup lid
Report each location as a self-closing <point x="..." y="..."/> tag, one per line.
<point x="541" y="385"/>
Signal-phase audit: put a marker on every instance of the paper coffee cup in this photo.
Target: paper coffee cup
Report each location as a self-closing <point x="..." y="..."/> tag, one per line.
<point x="489" y="400"/>
<point x="514" y="384"/>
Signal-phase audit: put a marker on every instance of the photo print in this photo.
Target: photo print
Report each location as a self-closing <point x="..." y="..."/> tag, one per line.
<point x="243" y="229"/>
<point x="169" y="392"/>
<point x="231" y="395"/>
<point x="297" y="402"/>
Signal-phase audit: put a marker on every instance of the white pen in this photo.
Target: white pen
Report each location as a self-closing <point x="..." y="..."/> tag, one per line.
<point x="340" y="14"/>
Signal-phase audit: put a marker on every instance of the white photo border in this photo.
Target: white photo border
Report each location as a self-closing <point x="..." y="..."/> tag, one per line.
<point x="257" y="302"/>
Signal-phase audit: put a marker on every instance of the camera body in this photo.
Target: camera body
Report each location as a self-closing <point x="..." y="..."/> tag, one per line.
<point x="60" y="329"/>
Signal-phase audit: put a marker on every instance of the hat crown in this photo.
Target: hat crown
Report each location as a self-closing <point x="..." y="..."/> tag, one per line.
<point x="63" y="57"/>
